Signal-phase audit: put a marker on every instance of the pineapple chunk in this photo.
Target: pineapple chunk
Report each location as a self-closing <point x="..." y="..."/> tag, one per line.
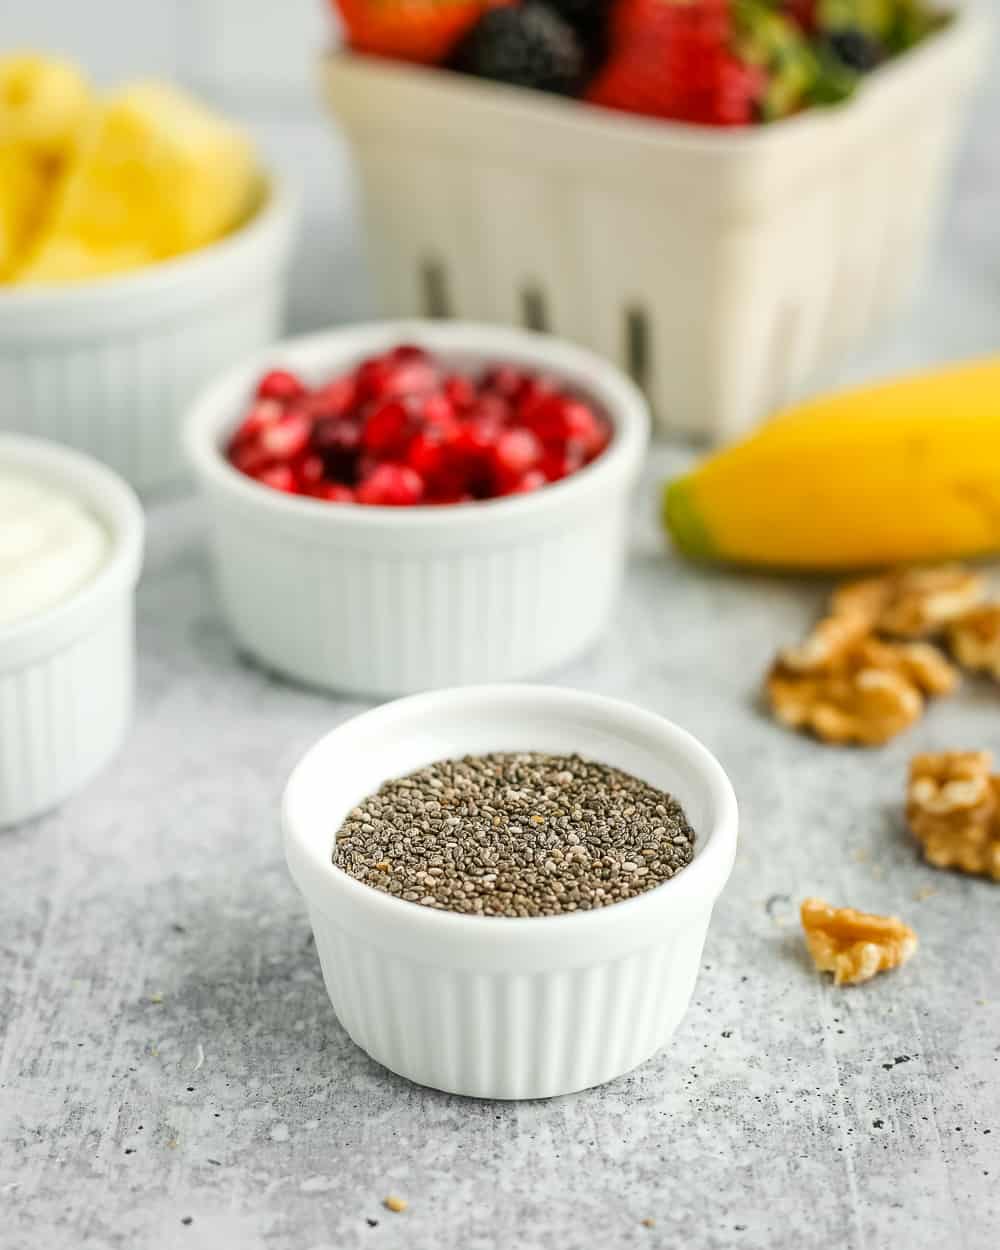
<point x="24" y="187"/>
<point x="156" y="174"/>
<point x="44" y="104"/>
<point x="44" y="107"/>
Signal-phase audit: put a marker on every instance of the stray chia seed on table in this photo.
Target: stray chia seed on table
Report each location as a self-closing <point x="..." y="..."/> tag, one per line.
<point x="524" y="834"/>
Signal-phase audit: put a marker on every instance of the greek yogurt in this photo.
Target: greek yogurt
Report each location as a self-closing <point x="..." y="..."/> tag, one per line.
<point x="50" y="545"/>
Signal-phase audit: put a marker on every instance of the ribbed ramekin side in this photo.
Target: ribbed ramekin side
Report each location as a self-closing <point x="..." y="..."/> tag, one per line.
<point x="391" y="622"/>
<point x="62" y="717"/>
<point x="118" y="393"/>
<point x="518" y="1034"/>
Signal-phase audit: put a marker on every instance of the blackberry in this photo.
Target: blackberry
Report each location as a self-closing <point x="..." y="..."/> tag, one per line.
<point x="527" y="46"/>
<point x="589" y="19"/>
<point x="855" y="49"/>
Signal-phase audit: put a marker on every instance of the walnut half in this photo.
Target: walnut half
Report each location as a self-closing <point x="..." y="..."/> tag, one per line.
<point x="846" y="688"/>
<point x="975" y="639"/>
<point x="854" y="945"/>
<point x="953" y="809"/>
<point x="911" y="603"/>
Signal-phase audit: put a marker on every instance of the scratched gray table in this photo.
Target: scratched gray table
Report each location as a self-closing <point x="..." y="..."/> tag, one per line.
<point x="172" y="1073"/>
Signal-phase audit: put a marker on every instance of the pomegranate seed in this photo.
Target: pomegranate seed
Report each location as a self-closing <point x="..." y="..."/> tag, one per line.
<point x="309" y="470"/>
<point x="459" y="391"/>
<point x="281" y="385"/>
<point x="530" y="481"/>
<point x="506" y="381"/>
<point x="395" y="485"/>
<point x="388" y="428"/>
<point x="279" y="477"/>
<point x="336" y="398"/>
<point x="264" y="413"/>
<point x="429" y="451"/>
<point x="332" y="492"/>
<point x="288" y="437"/>
<point x="249" y="458"/>
<point x="407" y="370"/>
<point x="516" y="452"/>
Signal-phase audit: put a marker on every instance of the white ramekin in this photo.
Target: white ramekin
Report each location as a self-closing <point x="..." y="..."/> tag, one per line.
<point x="109" y="366"/>
<point x="497" y="1007"/>
<point x="67" y="674"/>
<point x="387" y="601"/>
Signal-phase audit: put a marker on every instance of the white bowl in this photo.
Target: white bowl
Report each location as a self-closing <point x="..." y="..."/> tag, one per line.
<point x="108" y="366"/>
<point x="492" y="1006"/>
<point x="725" y="269"/>
<point x="385" y="601"/>
<point x="67" y="674"/>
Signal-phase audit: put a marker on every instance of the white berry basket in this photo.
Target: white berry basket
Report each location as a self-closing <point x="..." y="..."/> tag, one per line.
<point x="721" y="269"/>
<point x="498" y="1007"/>
<point x="67" y="674"/>
<point x="386" y="601"/>
<point x="108" y="366"/>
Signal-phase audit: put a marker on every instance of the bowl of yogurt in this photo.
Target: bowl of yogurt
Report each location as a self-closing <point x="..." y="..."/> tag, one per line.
<point x="71" y="534"/>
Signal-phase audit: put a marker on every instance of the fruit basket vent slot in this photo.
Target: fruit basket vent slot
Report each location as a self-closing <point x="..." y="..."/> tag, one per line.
<point x="638" y="351"/>
<point x="434" y="289"/>
<point x="534" y="309"/>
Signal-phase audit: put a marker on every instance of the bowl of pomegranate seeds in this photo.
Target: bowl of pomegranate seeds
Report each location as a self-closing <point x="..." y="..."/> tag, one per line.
<point x="409" y="505"/>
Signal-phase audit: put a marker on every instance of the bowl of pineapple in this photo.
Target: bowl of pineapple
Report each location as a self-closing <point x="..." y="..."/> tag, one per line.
<point x="143" y="248"/>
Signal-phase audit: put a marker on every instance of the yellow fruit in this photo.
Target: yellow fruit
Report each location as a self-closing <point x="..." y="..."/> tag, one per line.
<point x="24" y="187"/>
<point x="44" y="106"/>
<point x="44" y="103"/>
<point x="893" y="473"/>
<point x="156" y="174"/>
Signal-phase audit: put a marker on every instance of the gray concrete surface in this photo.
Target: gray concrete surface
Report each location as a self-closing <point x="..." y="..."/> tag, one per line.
<point x="172" y="1075"/>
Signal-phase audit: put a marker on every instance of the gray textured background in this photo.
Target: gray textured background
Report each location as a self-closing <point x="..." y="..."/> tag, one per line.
<point x="172" y="1074"/>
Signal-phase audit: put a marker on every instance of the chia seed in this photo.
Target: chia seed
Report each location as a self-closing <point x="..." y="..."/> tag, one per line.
<point x="524" y="834"/>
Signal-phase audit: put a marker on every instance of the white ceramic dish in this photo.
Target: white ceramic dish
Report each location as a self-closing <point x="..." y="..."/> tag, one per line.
<point x="67" y="674"/>
<point x="491" y="1006"/>
<point x="723" y="269"/>
<point x="386" y="601"/>
<point x="109" y="366"/>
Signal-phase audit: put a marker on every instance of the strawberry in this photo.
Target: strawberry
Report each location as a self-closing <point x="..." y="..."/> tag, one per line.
<point x="411" y="30"/>
<point x="672" y="59"/>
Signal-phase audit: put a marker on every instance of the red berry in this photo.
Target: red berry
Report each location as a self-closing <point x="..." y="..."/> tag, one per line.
<point x="281" y="385"/>
<point x="286" y="438"/>
<point x="332" y="492"/>
<point x="309" y="471"/>
<point x="531" y="480"/>
<point x="395" y="485"/>
<point x="249" y="458"/>
<point x="459" y="391"/>
<point x="516" y="452"/>
<point x="335" y="399"/>
<point x="388" y="428"/>
<point x="505" y="380"/>
<point x="404" y="371"/>
<point x="264" y="413"/>
<point x="279" y="477"/>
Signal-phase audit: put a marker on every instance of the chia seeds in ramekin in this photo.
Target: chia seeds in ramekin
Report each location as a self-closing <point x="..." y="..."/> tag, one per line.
<point x="515" y="834"/>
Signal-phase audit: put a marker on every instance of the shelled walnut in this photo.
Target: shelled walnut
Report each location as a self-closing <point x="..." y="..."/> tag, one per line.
<point x="911" y="603"/>
<point x="974" y="638"/>
<point x="864" y="671"/>
<point x="854" y="945"/>
<point x="846" y="687"/>
<point x="953" y="809"/>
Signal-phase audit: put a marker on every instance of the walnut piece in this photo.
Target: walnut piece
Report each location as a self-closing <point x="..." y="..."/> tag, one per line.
<point x="911" y="603"/>
<point x="953" y="809"/>
<point x="854" y="945"/>
<point x="974" y="638"/>
<point x="864" y="692"/>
